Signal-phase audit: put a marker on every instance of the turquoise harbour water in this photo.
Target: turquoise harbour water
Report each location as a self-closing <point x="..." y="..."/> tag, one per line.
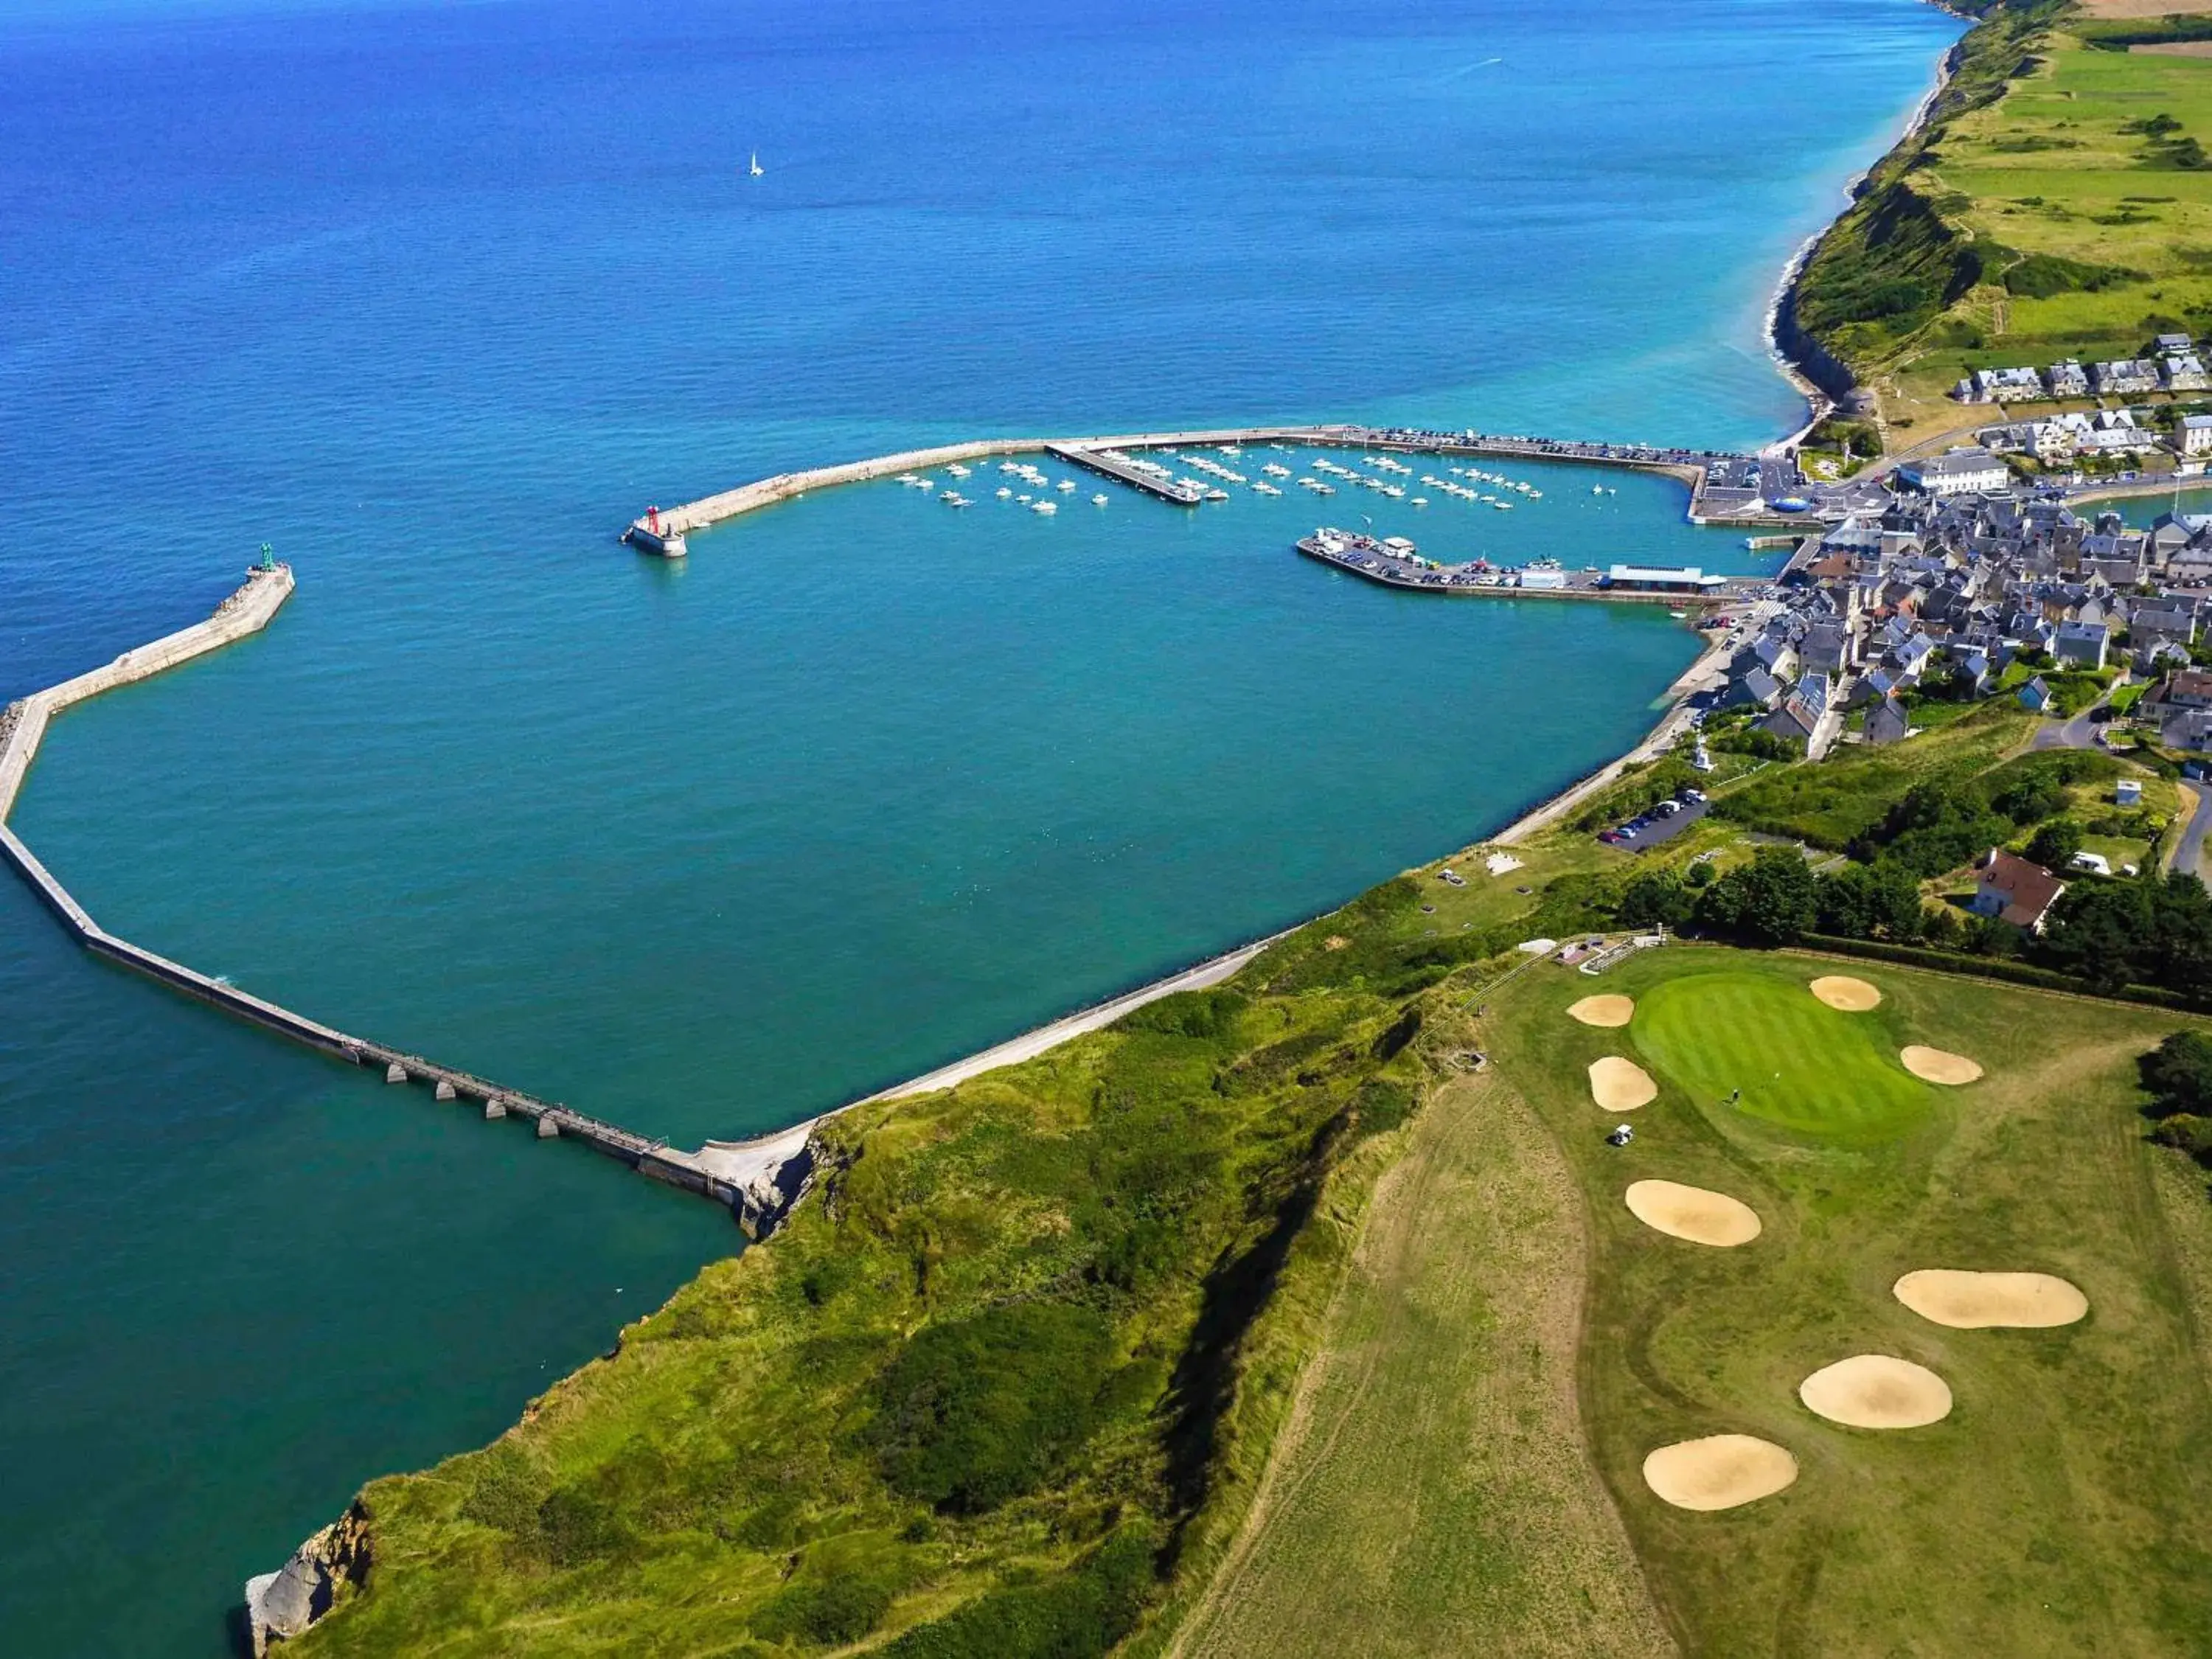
<point x="435" y="299"/>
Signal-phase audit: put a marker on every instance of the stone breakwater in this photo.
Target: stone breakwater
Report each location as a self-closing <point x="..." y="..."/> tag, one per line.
<point x="664" y="531"/>
<point x="24" y="724"/>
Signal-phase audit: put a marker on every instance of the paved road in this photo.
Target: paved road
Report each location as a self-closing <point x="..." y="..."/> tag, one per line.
<point x="2189" y="851"/>
<point x="2080" y="733"/>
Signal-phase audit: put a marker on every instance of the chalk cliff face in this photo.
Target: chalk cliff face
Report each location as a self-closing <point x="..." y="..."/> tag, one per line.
<point x="770" y="1196"/>
<point x="283" y="1603"/>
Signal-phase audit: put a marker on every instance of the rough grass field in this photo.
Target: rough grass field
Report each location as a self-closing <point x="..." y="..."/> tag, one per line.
<point x="1432" y="1494"/>
<point x="1797" y="1063"/>
<point x="2058" y="1508"/>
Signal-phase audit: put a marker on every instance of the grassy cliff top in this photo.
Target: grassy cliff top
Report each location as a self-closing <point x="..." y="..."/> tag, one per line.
<point x="2057" y="204"/>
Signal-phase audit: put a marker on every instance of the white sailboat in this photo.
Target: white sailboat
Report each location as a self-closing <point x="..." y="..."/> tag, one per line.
<point x="757" y="166"/>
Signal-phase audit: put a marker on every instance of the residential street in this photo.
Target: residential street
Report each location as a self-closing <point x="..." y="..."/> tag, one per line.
<point x="2189" y="851"/>
<point x="2076" y="733"/>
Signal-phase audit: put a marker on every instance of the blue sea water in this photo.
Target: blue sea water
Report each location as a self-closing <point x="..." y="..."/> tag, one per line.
<point x="435" y="299"/>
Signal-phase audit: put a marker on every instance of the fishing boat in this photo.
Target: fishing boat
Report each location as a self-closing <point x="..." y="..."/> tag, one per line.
<point x="1044" y="507"/>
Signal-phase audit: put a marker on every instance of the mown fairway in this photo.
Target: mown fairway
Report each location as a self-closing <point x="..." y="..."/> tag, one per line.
<point x="1799" y="1064"/>
<point x="1432" y="1493"/>
<point x="2058" y="1510"/>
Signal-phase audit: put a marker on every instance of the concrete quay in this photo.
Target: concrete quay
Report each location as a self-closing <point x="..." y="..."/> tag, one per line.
<point x="790" y="486"/>
<point x="1372" y="561"/>
<point x="23" y="724"/>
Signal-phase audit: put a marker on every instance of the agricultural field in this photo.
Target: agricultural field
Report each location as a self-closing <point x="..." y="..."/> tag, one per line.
<point x="2053" y="1508"/>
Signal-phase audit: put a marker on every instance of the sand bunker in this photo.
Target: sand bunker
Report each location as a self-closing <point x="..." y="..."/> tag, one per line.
<point x="1970" y="1301"/>
<point x="1621" y="1085"/>
<point x="1934" y="1066"/>
<point x="1719" y="1472"/>
<point x="1692" y="1212"/>
<point x="1604" y="1010"/>
<point x="1875" y="1391"/>
<point x="1853" y="996"/>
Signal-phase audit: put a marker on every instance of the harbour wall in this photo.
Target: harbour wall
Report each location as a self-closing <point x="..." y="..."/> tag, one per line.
<point x="671" y="527"/>
<point x="246" y="611"/>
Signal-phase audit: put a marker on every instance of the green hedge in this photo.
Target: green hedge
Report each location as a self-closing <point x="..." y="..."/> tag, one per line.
<point x="1996" y="968"/>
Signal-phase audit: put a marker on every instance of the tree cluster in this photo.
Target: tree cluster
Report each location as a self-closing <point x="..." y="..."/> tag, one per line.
<point x="2178" y="1076"/>
<point x="2149" y="930"/>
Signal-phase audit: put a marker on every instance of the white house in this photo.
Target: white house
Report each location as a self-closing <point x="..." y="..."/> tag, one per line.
<point x="1958" y="473"/>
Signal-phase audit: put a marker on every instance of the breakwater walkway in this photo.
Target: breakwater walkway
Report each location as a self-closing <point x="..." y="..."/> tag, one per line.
<point x="1717" y="480"/>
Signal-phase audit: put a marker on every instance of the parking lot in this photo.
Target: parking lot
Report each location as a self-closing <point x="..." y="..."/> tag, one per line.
<point x="1643" y="834"/>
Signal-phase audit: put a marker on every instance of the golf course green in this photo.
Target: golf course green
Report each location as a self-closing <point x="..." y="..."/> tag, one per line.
<point x="1800" y="1064"/>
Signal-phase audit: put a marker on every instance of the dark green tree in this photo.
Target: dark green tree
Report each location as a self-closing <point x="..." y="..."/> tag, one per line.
<point x="1773" y="900"/>
<point x="2054" y="845"/>
<point x="1655" y="897"/>
<point x="2178" y="1074"/>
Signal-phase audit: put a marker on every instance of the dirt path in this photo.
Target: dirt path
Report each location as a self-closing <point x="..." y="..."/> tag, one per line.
<point x="1431" y="1493"/>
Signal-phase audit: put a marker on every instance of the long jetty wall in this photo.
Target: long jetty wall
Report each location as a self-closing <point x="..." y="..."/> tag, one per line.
<point x="246" y="611"/>
<point x="664" y="529"/>
<point x="788" y="486"/>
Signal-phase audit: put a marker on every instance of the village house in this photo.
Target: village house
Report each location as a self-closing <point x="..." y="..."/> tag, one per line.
<point x="2081" y="644"/>
<point x="2127" y="375"/>
<point x="1991" y="386"/>
<point x="2184" y="371"/>
<point x="2156" y="621"/>
<point x="2193" y="435"/>
<point x="2013" y="891"/>
<point x="1956" y="473"/>
<point x="1798" y="720"/>
<point x="1886" y="722"/>
<point x="2068" y="379"/>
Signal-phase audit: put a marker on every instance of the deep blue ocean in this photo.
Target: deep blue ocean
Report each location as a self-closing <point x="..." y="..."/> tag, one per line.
<point x="434" y="299"/>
